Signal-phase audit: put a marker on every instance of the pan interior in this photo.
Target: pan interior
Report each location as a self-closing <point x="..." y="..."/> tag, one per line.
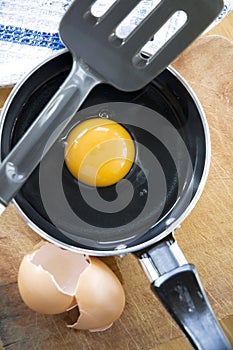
<point x="169" y="138"/>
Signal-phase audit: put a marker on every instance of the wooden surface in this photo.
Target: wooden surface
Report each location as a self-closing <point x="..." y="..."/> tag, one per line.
<point x="206" y="236"/>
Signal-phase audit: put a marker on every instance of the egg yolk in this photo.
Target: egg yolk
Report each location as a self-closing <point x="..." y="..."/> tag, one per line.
<point x="99" y="152"/>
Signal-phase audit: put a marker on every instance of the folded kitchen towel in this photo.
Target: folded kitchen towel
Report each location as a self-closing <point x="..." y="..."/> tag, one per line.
<point x="29" y="32"/>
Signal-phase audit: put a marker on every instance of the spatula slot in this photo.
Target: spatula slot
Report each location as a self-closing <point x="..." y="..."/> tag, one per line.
<point x="168" y="30"/>
<point x="130" y="23"/>
<point x="97" y="11"/>
<point x="135" y="17"/>
<point x="171" y="27"/>
<point x="101" y="7"/>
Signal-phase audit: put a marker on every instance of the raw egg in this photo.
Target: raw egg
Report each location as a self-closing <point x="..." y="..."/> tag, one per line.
<point x="52" y="280"/>
<point x="99" y="152"/>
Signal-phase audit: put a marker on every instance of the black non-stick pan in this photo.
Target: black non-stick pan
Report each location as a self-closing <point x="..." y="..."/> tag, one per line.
<point x="140" y="213"/>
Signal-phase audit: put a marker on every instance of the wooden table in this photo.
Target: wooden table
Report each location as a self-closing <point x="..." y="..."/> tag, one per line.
<point x="205" y="236"/>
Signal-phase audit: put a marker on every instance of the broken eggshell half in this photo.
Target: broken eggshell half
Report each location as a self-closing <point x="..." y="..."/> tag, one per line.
<point x="52" y="280"/>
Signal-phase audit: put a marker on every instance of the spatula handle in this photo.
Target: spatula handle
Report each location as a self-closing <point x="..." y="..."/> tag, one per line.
<point x="176" y="283"/>
<point x="41" y="135"/>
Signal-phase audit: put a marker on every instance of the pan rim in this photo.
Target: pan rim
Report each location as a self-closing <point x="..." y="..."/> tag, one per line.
<point x="173" y="226"/>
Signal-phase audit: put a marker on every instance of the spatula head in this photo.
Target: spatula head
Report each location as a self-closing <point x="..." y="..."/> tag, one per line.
<point x="119" y="60"/>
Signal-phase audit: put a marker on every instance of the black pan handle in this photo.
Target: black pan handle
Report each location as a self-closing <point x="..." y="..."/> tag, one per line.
<point x="176" y="283"/>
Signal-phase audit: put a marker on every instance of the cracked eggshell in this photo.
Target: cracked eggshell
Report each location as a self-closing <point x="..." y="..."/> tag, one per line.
<point x="48" y="278"/>
<point x="100" y="297"/>
<point x="52" y="280"/>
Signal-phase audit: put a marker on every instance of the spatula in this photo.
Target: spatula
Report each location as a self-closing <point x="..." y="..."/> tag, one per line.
<point x="99" y="55"/>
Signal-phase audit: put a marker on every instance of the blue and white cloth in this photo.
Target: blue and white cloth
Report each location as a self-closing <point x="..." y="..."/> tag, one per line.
<point x="29" y="32"/>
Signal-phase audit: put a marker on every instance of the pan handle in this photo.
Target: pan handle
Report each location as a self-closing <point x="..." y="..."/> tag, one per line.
<point x="176" y="283"/>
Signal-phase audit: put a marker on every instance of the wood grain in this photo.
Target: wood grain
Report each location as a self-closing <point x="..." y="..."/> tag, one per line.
<point x="205" y="237"/>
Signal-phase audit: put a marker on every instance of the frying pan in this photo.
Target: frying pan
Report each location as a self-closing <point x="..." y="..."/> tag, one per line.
<point x="140" y="214"/>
